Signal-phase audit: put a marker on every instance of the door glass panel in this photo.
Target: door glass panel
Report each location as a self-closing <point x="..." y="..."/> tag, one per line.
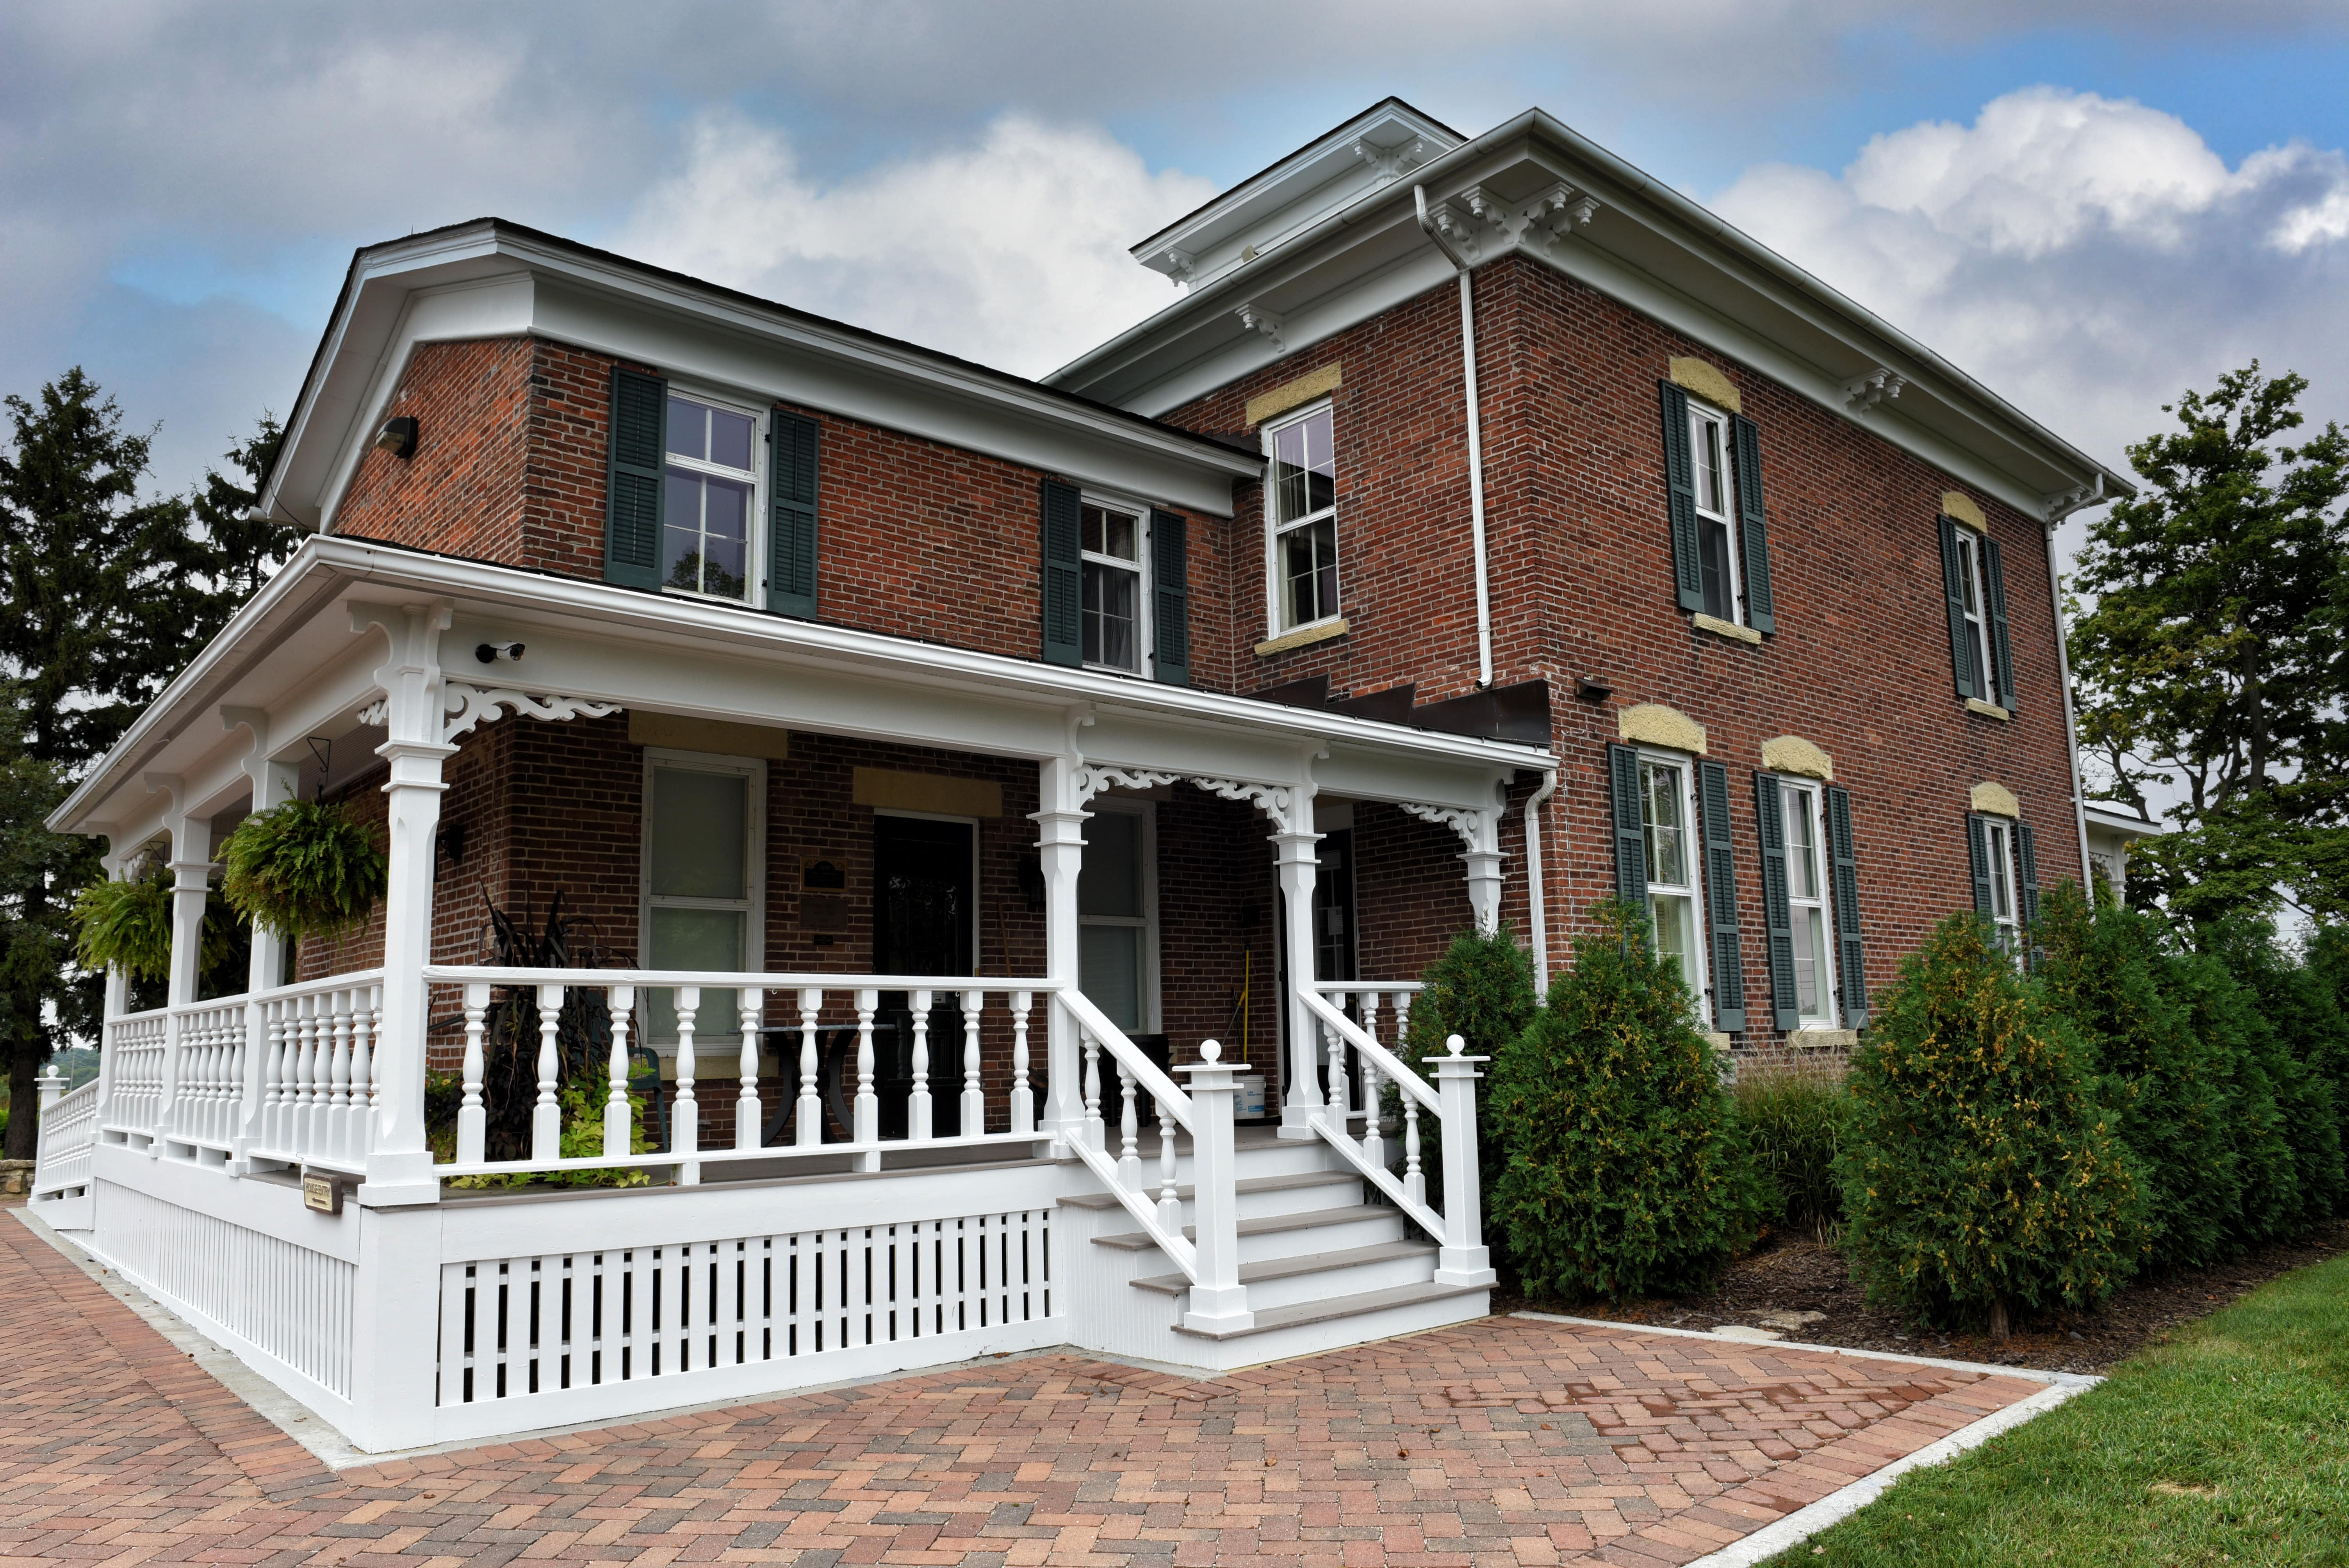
<point x="1109" y="970"/>
<point x="696" y="939"/>
<point x="700" y="834"/>
<point x="1111" y="882"/>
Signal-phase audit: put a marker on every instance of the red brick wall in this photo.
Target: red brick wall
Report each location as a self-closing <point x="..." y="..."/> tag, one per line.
<point x="462" y="490"/>
<point x="1582" y="583"/>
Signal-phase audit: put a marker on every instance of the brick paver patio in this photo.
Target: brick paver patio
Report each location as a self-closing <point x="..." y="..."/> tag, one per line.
<point x="1503" y="1442"/>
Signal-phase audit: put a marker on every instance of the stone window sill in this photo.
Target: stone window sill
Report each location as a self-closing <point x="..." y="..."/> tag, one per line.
<point x="1730" y="629"/>
<point x="1987" y="710"/>
<point x="1822" y="1040"/>
<point x="1303" y="637"/>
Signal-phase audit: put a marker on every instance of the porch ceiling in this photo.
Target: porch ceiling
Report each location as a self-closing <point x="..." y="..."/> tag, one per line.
<point x="291" y="667"/>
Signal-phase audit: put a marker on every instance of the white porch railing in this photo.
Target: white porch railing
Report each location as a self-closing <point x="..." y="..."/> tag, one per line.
<point x="136" y="1045"/>
<point x="316" y="1089"/>
<point x="1354" y="1095"/>
<point x="68" y="1131"/>
<point x="1155" y="1205"/>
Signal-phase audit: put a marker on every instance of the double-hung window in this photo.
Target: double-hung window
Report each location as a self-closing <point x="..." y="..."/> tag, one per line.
<point x="1714" y="458"/>
<point x="1117" y="913"/>
<point x="1998" y="839"/>
<point x="1114" y="602"/>
<point x="1301" y="507"/>
<point x="1809" y="900"/>
<point x="704" y="848"/>
<point x="709" y="499"/>
<point x="1972" y="583"/>
<point x="1668" y="834"/>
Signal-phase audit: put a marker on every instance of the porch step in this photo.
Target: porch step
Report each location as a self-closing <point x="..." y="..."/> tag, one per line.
<point x="1267" y="1224"/>
<point x="1293" y="1181"/>
<point x="1270" y="1269"/>
<point x="1330" y="1308"/>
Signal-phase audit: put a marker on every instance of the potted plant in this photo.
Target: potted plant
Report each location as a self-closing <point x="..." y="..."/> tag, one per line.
<point x="302" y="869"/>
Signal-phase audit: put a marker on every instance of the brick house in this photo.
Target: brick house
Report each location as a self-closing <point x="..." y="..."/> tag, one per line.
<point x="930" y="762"/>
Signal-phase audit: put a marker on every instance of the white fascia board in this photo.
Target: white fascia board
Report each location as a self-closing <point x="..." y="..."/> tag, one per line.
<point x="621" y="645"/>
<point x="1734" y="274"/>
<point x="403" y="293"/>
<point x="2121" y="825"/>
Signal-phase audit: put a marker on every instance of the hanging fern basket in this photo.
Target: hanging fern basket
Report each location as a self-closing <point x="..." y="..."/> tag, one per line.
<point x="302" y="870"/>
<point x="124" y="925"/>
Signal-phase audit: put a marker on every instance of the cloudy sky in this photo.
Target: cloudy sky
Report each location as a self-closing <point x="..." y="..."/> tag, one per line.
<point x="2088" y="204"/>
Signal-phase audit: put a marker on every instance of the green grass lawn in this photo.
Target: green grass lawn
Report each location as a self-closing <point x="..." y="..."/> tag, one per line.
<point x="2230" y="1444"/>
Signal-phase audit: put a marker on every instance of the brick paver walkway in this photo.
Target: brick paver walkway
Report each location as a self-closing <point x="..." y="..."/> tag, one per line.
<point x="1503" y="1442"/>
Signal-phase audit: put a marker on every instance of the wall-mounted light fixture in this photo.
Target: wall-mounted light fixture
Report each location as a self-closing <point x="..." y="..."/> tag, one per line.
<point x="1592" y="688"/>
<point x="491" y="653"/>
<point x="396" y="436"/>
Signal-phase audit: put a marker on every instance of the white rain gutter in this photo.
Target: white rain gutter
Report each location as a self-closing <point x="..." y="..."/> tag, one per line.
<point x="2095" y="497"/>
<point x="1535" y="914"/>
<point x="1475" y="440"/>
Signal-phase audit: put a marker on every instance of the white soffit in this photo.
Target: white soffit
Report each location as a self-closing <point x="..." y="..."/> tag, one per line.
<point x="1534" y="187"/>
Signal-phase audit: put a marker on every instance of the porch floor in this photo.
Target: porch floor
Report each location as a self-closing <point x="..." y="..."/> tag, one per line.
<point x="1507" y="1440"/>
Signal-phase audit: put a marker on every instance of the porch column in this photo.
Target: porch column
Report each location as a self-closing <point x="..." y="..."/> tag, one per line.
<point x="1483" y="862"/>
<point x="1294" y="853"/>
<point x="118" y="993"/>
<point x="1061" y="841"/>
<point x="274" y="784"/>
<point x="191" y="864"/>
<point x="398" y="1164"/>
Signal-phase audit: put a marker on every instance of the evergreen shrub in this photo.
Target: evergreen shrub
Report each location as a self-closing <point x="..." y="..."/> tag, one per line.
<point x="2302" y="1002"/>
<point x="1481" y="989"/>
<point x="2223" y="1018"/>
<point x="1622" y="1170"/>
<point x="2164" y="1085"/>
<point x="1983" y="1173"/>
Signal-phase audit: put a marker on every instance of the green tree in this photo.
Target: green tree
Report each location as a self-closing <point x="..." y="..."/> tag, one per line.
<point x="1623" y="1171"/>
<point x="2262" y="1080"/>
<point x="2212" y="668"/>
<point x="246" y="549"/>
<point x="2166" y="1085"/>
<point x="1983" y="1175"/>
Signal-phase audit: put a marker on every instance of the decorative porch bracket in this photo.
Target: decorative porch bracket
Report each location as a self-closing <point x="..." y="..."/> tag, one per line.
<point x="466" y="707"/>
<point x="1480" y="833"/>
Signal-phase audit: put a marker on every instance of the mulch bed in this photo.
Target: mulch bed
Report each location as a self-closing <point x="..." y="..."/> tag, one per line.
<point x="1791" y="1275"/>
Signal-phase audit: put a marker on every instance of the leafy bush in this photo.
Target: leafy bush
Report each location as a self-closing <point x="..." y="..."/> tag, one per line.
<point x="1983" y="1172"/>
<point x="1481" y="989"/>
<point x="2166" y="1085"/>
<point x="302" y="869"/>
<point x="1795" y="1125"/>
<point x="1622" y="1170"/>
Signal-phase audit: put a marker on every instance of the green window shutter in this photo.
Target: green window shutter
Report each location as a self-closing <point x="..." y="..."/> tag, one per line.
<point x="632" y="483"/>
<point x="1953" y="589"/>
<point x="2027" y="883"/>
<point x="1778" y="913"/>
<point x="1994" y="584"/>
<point x="1679" y="478"/>
<point x="1977" y="854"/>
<point x="1753" y="535"/>
<point x="1851" y="958"/>
<point x="1721" y="899"/>
<point x="1630" y="843"/>
<point x="791" y="531"/>
<point x="1064" y="576"/>
<point x="1170" y="590"/>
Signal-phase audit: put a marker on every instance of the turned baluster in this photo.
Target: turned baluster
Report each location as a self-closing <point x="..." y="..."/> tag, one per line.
<point x="546" y="1114"/>
<point x="685" y="1111"/>
<point x="472" y="1115"/>
<point x="748" y="1125"/>
<point x="1129" y="1158"/>
<point x="620" y="1112"/>
<point x="1023" y="1098"/>
<point x="808" y="1119"/>
<point x="917" y="1101"/>
<point x="973" y="1119"/>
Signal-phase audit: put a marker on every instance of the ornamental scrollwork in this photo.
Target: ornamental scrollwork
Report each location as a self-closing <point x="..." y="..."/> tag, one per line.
<point x="1468" y="824"/>
<point x="470" y="706"/>
<point x="1094" y="777"/>
<point x="1278" y="801"/>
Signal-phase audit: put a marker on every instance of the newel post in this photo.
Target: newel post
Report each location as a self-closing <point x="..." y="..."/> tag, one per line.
<point x="1060" y="842"/>
<point x="399" y="1165"/>
<point x="1218" y="1300"/>
<point x="1463" y="1258"/>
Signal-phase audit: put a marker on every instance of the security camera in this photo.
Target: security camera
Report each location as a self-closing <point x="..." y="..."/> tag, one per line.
<point x="491" y="653"/>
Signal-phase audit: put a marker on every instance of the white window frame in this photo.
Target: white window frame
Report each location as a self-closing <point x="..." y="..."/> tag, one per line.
<point x="1152" y="1019"/>
<point x="754" y="541"/>
<point x="1275" y="600"/>
<point x="1700" y="950"/>
<point x="1829" y="1014"/>
<point x="1998" y="839"/>
<point x="1702" y="418"/>
<point x="1973" y="570"/>
<point x="754" y="908"/>
<point x="977" y="896"/>
<point x="1144" y="625"/>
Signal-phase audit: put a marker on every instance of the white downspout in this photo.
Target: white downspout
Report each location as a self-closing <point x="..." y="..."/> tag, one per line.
<point x="1536" y="916"/>
<point x="2064" y="670"/>
<point x="1475" y="440"/>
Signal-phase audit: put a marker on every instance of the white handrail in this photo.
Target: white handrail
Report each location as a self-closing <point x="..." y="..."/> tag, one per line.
<point x="724" y="980"/>
<point x="1163" y="1089"/>
<point x="1406" y="1078"/>
<point x="1407" y="1081"/>
<point x="1150" y="1210"/>
<point x="68" y="1131"/>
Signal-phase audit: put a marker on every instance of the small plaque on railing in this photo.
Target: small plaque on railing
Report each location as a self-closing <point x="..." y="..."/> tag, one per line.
<point x="322" y="1190"/>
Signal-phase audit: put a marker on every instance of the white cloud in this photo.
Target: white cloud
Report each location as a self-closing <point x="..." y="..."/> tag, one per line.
<point x="2089" y="257"/>
<point x="1010" y="250"/>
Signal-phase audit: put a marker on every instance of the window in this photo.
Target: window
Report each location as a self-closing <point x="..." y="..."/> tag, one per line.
<point x="1972" y="583"/>
<point x="1117" y="913"/>
<point x="709" y="499"/>
<point x="1112" y="556"/>
<point x="1716" y="514"/>
<point x="1997" y="836"/>
<point x="1808" y="885"/>
<point x="704" y="841"/>
<point x="1302" y="500"/>
<point x="1667" y="818"/>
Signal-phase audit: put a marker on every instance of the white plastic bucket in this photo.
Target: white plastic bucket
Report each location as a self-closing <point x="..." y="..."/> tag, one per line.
<point x="1248" y="1098"/>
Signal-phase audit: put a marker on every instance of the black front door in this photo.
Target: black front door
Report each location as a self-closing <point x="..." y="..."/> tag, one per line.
<point x="924" y="901"/>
